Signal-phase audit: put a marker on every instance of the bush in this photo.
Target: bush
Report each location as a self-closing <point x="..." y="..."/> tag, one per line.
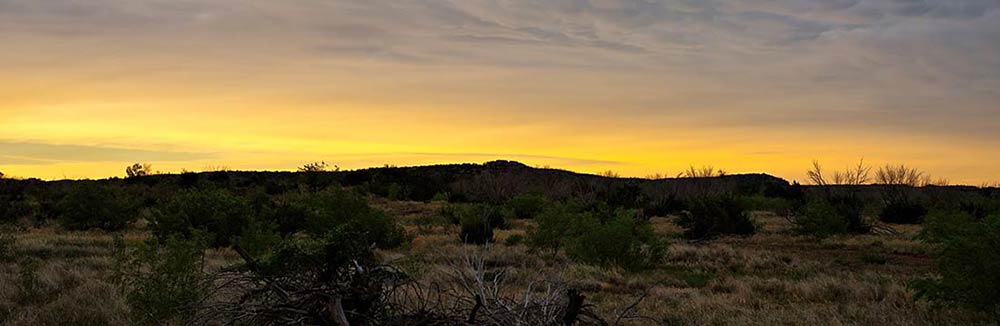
<point x="623" y="241"/>
<point x="478" y="222"/>
<point x="258" y="237"/>
<point x="90" y="205"/>
<point x="903" y="212"/>
<point x="769" y="204"/>
<point x="664" y="206"/>
<point x="340" y="209"/>
<point x="513" y="240"/>
<point x="819" y="218"/>
<point x="12" y="209"/>
<point x="551" y="227"/>
<point x="162" y="280"/>
<point x="715" y="216"/>
<point x="827" y="217"/>
<point x="440" y="197"/>
<point x="220" y="215"/>
<point x="600" y="237"/>
<point x="967" y="257"/>
<point x="319" y="272"/>
<point x="526" y="206"/>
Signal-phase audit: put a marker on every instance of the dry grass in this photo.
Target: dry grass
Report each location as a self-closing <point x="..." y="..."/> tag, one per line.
<point x="772" y="278"/>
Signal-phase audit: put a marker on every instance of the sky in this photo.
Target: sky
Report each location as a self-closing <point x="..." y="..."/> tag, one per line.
<point x="88" y="87"/>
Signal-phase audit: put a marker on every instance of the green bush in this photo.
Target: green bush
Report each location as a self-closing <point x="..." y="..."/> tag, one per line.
<point x="12" y="209"/>
<point x="162" y="280"/>
<point x="711" y="217"/>
<point x="526" y="206"/>
<point x="623" y="241"/>
<point x="600" y="237"/>
<point x="440" y="197"/>
<point x="967" y="255"/>
<point x="830" y="216"/>
<point x="513" y="240"/>
<point x="341" y="263"/>
<point x="478" y="222"/>
<point x="819" y="218"/>
<point x="451" y="213"/>
<point x="219" y="214"/>
<point x="90" y="205"/>
<point x="762" y="203"/>
<point x="337" y="208"/>
<point x="903" y="212"/>
<point x="258" y="237"/>
<point x="551" y="227"/>
<point x="852" y="210"/>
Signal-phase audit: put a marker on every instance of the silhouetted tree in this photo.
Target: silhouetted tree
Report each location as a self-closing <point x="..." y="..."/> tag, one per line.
<point x="139" y="170"/>
<point x="901" y="175"/>
<point x="610" y="174"/>
<point x="320" y="166"/>
<point x="707" y="171"/>
<point x="856" y="175"/>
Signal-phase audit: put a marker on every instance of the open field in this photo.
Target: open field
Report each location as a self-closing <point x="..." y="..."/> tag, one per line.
<point x="770" y="278"/>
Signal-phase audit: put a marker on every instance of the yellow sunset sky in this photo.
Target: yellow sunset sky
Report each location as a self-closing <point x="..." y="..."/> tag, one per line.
<point x="637" y="87"/>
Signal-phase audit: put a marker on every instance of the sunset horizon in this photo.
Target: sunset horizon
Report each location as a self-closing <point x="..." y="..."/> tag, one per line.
<point x="636" y="87"/>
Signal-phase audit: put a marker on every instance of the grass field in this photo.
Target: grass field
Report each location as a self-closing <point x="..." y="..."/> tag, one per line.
<point x="770" y="278"/>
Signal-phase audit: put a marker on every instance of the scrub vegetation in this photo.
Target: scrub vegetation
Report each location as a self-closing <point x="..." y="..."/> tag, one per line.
<point x="498" y="244"/>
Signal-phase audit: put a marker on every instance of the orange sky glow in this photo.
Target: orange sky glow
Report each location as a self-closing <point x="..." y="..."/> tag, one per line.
<point x="637" y="87"/>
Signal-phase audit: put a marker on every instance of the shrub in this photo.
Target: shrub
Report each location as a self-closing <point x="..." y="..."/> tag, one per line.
<point x="851" y="209"/>
<point x="819" y="218"/>
<point x="90" y="205"/>
<point x="478" y="222"/>
<point x="440" y="197"/>
<point x="451" y="213"/>
<point x="623" y="241"/>
<point x="258" y="237"/>
<point x="12" y="209"/>
<point x="314" y="274"/>
<point x="513" y="240"/>
<point x="220" y="215"/>
<point x="600" y="237"/>
<point x="324" y="211"/>
<point x="903" y="212"/>
<point x="162" y="280"/>
<point x="762" y="203"/>
<point x="664" y="206"/>
<point x="551" y="227"/>
<point x="967" y="259"/>
<point x="715" y="216"/>
<point x="526" y="206"/>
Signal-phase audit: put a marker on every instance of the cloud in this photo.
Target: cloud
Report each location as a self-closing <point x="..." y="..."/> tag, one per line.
<point x="889" y="67"/>
<point x="27" y="153"/>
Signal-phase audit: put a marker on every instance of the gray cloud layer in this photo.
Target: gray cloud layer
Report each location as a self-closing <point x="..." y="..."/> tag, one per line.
<point x="27" y="153"/>
<point x="900" y="66"/>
